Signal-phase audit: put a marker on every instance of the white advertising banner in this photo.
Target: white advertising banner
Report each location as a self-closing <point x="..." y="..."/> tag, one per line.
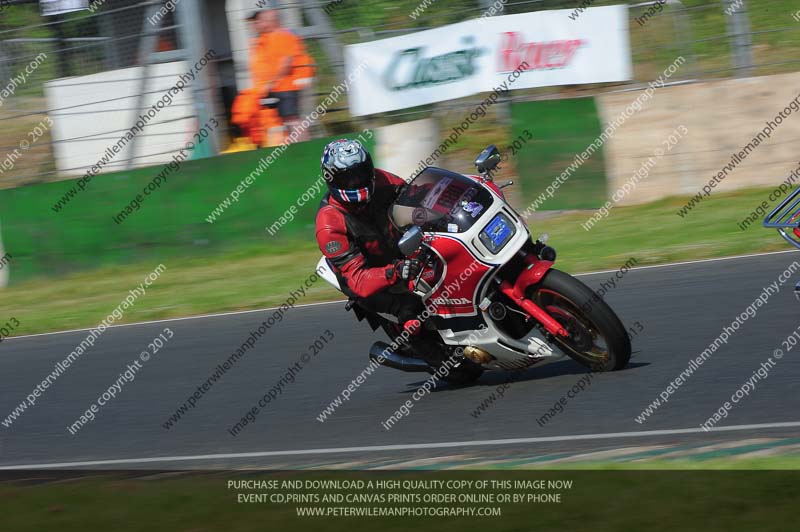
<point x="477" y="56"/>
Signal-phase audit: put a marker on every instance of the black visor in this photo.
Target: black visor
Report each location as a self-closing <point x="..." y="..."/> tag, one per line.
<point x="357" y="176"/>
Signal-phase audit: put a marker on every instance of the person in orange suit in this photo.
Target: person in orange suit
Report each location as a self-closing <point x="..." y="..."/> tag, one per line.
<point x="246" y="112"/>
<point x="279" y="67"/>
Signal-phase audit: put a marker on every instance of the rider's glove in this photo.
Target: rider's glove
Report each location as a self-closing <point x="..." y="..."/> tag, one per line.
<point x="403" y="270"/>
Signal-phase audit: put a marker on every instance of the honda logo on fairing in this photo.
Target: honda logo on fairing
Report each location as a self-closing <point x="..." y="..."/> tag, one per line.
<point x="459" y="301"/>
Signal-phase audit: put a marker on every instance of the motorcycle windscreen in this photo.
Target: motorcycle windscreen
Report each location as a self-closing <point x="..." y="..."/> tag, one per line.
<point x="440" y="201"/>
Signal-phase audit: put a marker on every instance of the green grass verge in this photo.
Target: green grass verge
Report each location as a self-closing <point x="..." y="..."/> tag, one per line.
<point x="714" y="501"/>
<point x="254" y="278"/>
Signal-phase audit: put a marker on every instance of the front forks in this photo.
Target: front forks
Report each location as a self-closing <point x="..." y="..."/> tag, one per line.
<point x="532" y="309"/>
<point x="533" y="273"/>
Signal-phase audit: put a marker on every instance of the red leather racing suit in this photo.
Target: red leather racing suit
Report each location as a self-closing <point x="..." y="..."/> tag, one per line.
<point x="360" y="244"/>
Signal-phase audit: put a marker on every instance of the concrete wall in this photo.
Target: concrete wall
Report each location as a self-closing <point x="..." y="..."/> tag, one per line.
<point x="164" y="135"/>
<point x="722" y="117"/>
<point x="400" y="147"/>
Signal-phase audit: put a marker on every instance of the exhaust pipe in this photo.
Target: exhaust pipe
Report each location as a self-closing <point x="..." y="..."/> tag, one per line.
<point x="381" y="353"/>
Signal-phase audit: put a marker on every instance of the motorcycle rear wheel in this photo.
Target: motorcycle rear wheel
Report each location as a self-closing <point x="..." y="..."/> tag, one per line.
<point x="597" y="337"/>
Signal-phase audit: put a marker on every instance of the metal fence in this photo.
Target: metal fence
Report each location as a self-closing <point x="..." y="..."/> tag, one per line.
<point x="76" y="50"/>
<point x="718" y="38"/>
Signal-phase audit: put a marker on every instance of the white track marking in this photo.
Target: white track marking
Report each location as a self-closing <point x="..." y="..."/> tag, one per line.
<point x="405" y="447"/>
<point x="200" y="316"/>
<point x="234" y="313"/>
<point x="698" y="261"/>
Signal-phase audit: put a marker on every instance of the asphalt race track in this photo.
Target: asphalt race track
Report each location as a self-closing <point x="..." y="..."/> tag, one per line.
<point x="680" y="308"/>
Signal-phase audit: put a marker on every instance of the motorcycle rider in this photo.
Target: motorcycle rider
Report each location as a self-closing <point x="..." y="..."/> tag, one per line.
<point x="356" y="236"/>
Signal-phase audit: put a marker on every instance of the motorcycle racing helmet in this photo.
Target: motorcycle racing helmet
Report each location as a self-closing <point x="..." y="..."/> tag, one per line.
<point x="348" y="171"/>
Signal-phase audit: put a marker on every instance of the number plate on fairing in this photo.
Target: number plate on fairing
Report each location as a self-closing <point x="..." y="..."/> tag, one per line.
<point x="497" y="233"/>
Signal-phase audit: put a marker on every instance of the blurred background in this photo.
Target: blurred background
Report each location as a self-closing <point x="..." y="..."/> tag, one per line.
<point x="77" y="75"/>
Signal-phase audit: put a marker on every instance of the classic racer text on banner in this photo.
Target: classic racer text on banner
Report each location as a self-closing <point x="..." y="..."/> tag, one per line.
<point x="477" y="55"/>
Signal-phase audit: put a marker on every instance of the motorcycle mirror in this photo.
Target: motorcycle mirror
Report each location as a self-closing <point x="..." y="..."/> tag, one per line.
<point x="410" y="241"/>
<point x="488" y="159"/>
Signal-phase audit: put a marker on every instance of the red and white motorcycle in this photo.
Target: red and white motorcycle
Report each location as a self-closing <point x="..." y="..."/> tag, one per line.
<point x="493" y="299"/>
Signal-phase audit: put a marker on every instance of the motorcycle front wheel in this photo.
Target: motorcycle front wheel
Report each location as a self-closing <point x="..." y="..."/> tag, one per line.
<point x="597" y="339"/>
